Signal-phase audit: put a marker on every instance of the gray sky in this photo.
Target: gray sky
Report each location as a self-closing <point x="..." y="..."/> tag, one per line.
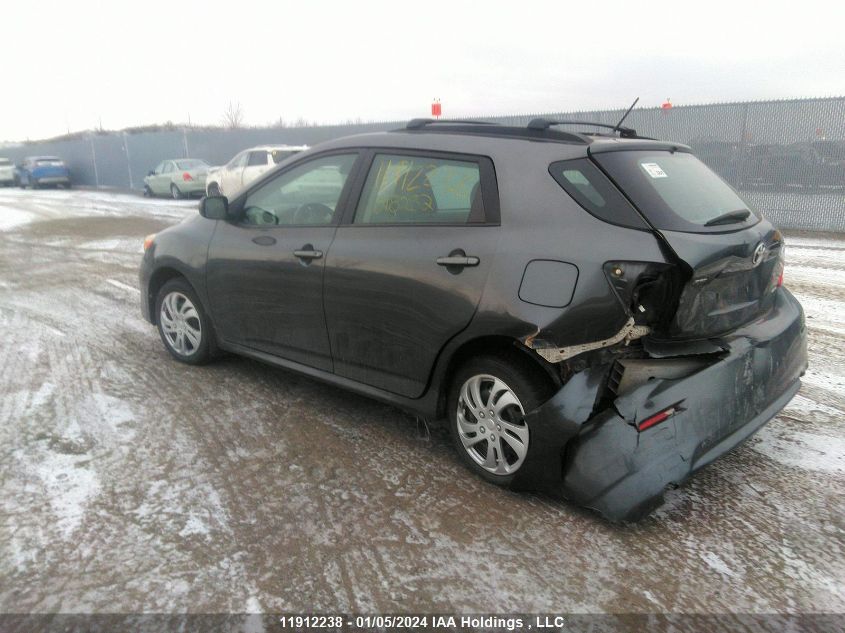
<point x="70" y="65"/>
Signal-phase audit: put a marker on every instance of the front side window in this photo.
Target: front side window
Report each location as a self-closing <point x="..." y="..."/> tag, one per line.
<point x="417" y="189"/>
<point x="238" y="161"/>
<point x="306" y="194"/>
<point x="257" y="158"/>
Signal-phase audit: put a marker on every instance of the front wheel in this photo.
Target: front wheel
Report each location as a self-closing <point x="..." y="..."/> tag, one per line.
<point x="183" y="324"/>
<point x="174" y="191"/>
<point x="148" y="193"/>
<point x="488" y="400"/>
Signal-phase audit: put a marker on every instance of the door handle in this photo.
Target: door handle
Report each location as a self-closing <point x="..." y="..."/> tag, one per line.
<point x="306" y="253"/>
<point x="458" y="260"/>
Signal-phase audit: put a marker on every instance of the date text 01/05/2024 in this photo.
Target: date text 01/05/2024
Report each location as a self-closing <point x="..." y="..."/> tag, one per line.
<point x="514" y="623"/>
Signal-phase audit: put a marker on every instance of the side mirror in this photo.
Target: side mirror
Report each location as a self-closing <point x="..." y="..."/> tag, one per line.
<point x="214" y="207"/>
<point x="151" y="173"/>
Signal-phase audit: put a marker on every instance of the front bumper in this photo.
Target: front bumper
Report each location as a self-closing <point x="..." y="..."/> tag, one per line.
<point x="601" y="461"/>
<point x="144" y="274"/>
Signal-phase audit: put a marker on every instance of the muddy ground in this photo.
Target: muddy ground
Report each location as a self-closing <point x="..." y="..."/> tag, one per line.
<point x="130" y="482"/>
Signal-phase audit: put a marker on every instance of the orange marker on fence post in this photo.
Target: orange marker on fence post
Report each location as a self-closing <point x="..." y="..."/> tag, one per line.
<point x="436" y="110"/>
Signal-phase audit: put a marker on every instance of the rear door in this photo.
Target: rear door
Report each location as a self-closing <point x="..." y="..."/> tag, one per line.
<point x="265" y="266"/>
<point x="408" y="264"/>
<point x="257" y="163"/>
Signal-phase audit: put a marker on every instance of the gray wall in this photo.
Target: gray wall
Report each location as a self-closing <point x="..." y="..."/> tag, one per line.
<point x="787" y="157"/>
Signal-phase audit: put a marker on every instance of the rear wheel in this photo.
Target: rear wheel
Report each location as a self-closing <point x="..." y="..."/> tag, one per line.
<point x="174" y="191"/>
<point x="183" y="324"/>
<point x="488" y="400"/>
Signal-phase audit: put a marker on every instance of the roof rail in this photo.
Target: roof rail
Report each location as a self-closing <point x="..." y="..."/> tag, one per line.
<point x="416" y="124"/>
<point x="545" y="124"/>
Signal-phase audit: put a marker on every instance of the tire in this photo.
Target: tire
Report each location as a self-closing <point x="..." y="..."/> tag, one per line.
<point x="179" y="311"/>
<point x="510" y="386"/>
<point x="174" y="191"/>
<point x="148" y="193"/>
<point x="214" y="189"/>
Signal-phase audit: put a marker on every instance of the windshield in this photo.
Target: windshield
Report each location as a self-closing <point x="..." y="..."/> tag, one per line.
<point x="191" y="163"/>
<point x="675" y="190"/>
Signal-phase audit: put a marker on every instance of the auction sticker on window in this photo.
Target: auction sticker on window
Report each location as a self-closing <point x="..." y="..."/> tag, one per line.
<point x="654" y="170"/>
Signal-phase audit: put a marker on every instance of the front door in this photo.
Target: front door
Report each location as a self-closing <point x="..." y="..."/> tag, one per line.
<point x="232" y="175"/>
<point x="406" y="271"/>
<point x="265" y="265"/>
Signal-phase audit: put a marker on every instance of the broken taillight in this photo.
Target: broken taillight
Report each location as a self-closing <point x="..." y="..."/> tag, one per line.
<point x="657" y="418"/>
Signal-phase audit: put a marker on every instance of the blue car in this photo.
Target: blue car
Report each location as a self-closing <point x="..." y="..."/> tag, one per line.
<point x="37" y="171"/>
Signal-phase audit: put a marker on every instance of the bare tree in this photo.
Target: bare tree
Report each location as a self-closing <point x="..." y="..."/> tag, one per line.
<point x="233" y="116"/>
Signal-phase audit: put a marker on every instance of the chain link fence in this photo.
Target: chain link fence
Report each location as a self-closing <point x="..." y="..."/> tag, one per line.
<point x="787" y="157"/>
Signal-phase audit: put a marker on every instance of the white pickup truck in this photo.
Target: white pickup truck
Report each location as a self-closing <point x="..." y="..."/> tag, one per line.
<point x="246" y="167"/>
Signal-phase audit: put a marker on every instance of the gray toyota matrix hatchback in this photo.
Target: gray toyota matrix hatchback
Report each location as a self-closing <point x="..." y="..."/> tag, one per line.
<point x="597" y="315"/>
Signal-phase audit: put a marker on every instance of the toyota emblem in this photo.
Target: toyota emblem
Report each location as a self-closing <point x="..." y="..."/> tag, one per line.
<point x="759" y="252"/>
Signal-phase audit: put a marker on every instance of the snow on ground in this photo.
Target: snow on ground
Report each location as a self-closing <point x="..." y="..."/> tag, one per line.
<point x="129" y="482"/>
<point x="17" y="207"/>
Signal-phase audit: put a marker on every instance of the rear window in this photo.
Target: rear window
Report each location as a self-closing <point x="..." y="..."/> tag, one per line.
<point x="675" y="190"/>
<point x="48" y="161"/>
<point x="191" y="164"/>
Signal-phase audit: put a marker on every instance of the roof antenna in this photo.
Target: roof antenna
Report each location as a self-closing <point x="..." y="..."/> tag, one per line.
<point x="625" y="116"/>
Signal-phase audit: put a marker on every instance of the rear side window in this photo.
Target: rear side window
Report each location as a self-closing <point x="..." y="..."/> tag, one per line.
<point x="675" y="190"/>
<point x="591" y="189"/>
<point x="257" y="158"/>
<point x="280" y="155"/>
<point x="421" y="190"/>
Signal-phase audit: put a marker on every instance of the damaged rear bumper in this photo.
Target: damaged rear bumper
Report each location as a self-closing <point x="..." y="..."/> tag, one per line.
<point x="604" y="461"/>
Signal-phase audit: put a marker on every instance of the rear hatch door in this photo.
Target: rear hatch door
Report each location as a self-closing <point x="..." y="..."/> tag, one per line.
<point x="731" y="257"/>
